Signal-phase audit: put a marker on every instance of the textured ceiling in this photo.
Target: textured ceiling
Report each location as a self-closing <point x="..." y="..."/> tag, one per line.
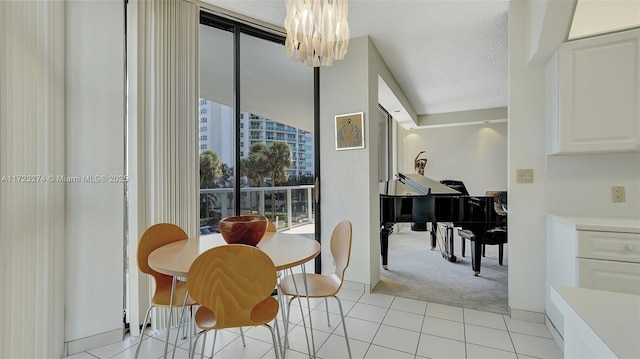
<point x="447" y="56"/>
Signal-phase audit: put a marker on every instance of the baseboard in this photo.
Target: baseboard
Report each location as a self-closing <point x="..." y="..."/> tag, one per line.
<point x="351" y="285"/>
<point x="554" y="332"/>
<point x="527" y="315"/>
<point x="83" y="344"/>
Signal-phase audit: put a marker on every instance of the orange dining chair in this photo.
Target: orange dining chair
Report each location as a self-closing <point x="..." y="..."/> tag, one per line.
<point x="271" y="227"/>
<point x="324" y="285"/>
<point x="155" y="237"/>
<point x="233" y="286"/>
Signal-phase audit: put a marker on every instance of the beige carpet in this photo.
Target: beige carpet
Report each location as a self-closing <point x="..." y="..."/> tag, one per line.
<point x="417" y="272"/>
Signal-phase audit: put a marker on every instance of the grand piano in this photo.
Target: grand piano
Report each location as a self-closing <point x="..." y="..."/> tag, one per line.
<point x="419" y="199"/>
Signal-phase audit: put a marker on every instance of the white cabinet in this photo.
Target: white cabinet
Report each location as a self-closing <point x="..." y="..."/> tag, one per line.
<point x="595" y="253"/>
<point x="609" y="261"/>
<point x="594" y="89"/>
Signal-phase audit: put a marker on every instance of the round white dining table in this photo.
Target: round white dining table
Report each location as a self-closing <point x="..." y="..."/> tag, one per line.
<point x="285" y="250"/>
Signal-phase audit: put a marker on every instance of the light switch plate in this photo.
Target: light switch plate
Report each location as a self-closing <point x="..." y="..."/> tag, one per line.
<point x="524" y="175"/>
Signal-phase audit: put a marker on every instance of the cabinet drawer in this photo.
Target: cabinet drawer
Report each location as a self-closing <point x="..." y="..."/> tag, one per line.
<point x="621" y="277"/>
<point x="609" y="245"/>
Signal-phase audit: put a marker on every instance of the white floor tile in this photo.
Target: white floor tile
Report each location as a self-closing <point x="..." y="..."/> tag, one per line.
<point x="353" y="286"/>
<point x="440" y="348"/>
<point x="298" y="340"/>
<point x="259" y="332"/>
<point x="150" y="348"/>
<point x="378" y="352"/>
<point x="485" y="319"/>
<point x="404" y="320"/>
<point x="489" y="337"/>
<point x="82" y="355"/>
<point x="529" y="328"/>
<point x="379" y="326"/>
<point x="396" y="338"/>
<point x="522" y="356"/>
<point x="110" y="350"/>
<point x="480" y="352"/>
<point x="336" y="348"/>
<point x="377" y="299"/>
<point x="536" y="346"/>
<point x="334" y="308"/>
<point x="443" y="328"/>
<point x="368" y="312"/>
<point x="319" y="321"/>
<point x="359" y="329"/>
<point x="223" y="338"/>
<point x="253" y="349"/>
<point x="347" y="294"/>
<point x="409" y="305"/>
<point x="444" y="311"/>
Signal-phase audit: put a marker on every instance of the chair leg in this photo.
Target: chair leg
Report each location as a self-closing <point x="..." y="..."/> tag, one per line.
<point x="344" y="325"/>
<point x="213" y="346"/>
<point x="500" y="253"/>
<point x="463" y="245"/>
<point x="175" y="343"/>
<point x="273" y="338"/>
<point x="286" y="325"/>
<point x="326" y="304"/>
<point x="204" y="341"/>
<point x="275" y="323"/>
<point x="144" y="325"/>
<point x="192" y="350"/>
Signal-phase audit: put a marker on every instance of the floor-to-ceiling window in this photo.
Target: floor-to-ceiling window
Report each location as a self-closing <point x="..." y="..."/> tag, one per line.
<point x="255" y="127"/>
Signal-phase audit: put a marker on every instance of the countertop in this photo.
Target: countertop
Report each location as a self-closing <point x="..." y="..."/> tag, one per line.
<point x="606" y="224"/>
<point x="613" y="317"/>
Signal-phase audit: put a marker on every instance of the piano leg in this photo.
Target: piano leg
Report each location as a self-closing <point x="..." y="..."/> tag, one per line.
<point x="434" y="236"/>
<point x="449" y="244"/>
<point x="476" y="256"/>
<point x="384" y="244"/>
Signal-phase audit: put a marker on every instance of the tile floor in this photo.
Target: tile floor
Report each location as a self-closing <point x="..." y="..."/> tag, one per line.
<point x="379" y="326"/>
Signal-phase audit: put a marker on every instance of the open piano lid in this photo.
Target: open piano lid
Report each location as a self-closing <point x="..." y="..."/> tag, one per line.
<point x="415" y="184"/>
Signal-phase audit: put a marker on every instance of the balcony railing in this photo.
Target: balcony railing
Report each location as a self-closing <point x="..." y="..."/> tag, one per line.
<point x="286" y="206"/>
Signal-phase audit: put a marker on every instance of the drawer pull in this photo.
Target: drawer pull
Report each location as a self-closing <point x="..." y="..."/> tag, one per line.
<point x="630" y="247"/>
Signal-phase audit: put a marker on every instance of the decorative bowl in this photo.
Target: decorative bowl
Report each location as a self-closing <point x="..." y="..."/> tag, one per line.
<point x="247" y="229"/>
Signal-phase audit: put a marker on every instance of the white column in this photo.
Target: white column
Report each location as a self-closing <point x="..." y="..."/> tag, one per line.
<point x="32" y="144"/>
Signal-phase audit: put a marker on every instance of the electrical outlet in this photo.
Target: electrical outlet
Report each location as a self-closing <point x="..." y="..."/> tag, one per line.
<point x="524" y="175"/>
<point x="617" y="194"/>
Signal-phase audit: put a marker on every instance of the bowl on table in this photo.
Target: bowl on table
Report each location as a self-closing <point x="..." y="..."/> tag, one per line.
<point x="247" y="229"/>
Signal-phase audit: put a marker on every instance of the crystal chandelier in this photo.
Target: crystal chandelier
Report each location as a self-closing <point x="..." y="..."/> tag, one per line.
<point x="317" y="31"/>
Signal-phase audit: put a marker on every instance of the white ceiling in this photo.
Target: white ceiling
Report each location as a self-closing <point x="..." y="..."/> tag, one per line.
<point x="447" y="56"/>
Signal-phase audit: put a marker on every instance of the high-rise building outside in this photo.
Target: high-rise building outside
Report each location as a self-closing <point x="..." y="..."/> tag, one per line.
<point x="216" y="127"/>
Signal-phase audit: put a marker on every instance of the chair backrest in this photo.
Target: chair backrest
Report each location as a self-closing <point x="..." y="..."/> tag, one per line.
<point x="341" y="247"/>
<point x="155" y="237"/>
<point x="231" y="281"/>
<point x="500" y="203"/>
<point x="271" y="227"/>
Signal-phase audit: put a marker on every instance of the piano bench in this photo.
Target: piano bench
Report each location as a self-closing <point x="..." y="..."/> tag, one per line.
<point x="495" y="236"/>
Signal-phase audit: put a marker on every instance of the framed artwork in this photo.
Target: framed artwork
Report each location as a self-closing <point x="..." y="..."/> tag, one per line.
<point x="350" y="131"/>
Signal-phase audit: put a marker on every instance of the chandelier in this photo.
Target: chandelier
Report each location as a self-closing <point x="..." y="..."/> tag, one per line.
<point x="317" y="31"/>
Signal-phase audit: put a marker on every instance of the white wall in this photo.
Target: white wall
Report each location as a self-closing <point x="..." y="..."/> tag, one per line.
<point x="580" y="185"/>
<point x="95" y="146"/>
<point x="345" y="174"/>
<point x="474" y="154"/>
<point x="349" y="187"/>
